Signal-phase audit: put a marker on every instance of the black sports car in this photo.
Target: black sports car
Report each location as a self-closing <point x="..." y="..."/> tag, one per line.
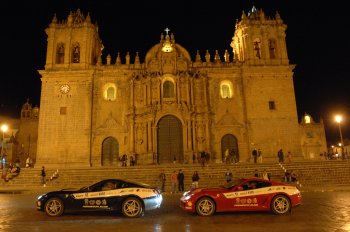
<point x="131" y="198"/>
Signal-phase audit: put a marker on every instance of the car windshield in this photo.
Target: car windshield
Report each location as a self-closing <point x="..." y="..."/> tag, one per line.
<point x="232" y="183"/>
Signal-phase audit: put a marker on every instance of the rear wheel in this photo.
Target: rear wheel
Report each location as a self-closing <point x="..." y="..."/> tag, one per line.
<point x="132" y="207"/>
<point x="205" y="206"/>
<point x="54" y="207"/>
<point x="280" y="204"/>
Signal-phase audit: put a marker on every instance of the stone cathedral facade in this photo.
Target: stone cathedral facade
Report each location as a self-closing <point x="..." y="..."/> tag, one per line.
<point x="169" y="107"/>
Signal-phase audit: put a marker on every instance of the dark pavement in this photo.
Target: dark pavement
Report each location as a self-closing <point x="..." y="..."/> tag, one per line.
<point x="321" y="211"/>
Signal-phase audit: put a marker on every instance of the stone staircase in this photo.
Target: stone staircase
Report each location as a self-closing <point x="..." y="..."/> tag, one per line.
<point x="311" y="174"/>
<point x="321" y="174"/>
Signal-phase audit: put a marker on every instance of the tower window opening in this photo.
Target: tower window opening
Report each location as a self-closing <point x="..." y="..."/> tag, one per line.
<point x="60" y="53"/>
<point x="272" y="48"/>
<point x="76" y="53"/>
<point x="272" y="105"/>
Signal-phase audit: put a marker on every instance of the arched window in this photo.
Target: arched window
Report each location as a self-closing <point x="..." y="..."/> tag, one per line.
<point x="110" y="92"/>
<point x="226" y="90"/>
<point x="168" y="89"/>
<point x="76" y="53"/>
<point x="60" y="53"/>
<point x="272" y="48"/>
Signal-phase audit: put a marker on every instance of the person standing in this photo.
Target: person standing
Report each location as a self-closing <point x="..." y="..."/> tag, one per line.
<point x="289" y="155"/>
<point x="203" y="158"/>
<point x="173" y="179"/>
<point x="195" y="179"/>
<point x="260" y="155"/>
<point x="43" y="176"/>
<point x="180" y="180"/>
<point x="207" y="158"/>
<point x="228" y="175"/>
<point x="162" y="179"/>
<point x="227" y="156"/>
<point x="255" y="155"/>
<point x="28" y="162"/>
<point x="280" y="156"/>
<point x="265" y="175"/>
<point x="256" y="173"/>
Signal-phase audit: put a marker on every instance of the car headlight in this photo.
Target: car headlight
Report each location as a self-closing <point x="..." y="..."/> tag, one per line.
<point x="41" y="196"/>
<point x="187" y="197"/>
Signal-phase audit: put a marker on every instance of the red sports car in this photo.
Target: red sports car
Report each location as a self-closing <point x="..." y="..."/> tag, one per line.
<point x="252" y="194"/>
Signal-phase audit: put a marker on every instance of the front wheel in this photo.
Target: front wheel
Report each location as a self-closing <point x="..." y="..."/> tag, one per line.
<point x="205" y="206"/>
<point x="54" y="207"/>
<point x="132" y="207"/>
<point x="280" y="204"/>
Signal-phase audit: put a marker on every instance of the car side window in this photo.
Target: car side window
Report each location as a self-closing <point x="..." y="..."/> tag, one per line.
<point x="122" y="185"/>
<point x="262" y="184"/>
<point x="250" y="185"/>
<point x="108" y="186"/>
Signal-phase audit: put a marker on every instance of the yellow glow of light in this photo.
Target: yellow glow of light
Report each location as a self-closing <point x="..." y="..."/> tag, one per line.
<point x="338" y="118"/>
<point x="4" y="128"/>
<point x="307" y="119"/>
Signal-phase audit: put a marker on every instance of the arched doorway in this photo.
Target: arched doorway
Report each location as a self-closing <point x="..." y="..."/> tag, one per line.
<point x="229" y="142"/>
<point x="169" y="140"/>
<point x="110" y="152"/>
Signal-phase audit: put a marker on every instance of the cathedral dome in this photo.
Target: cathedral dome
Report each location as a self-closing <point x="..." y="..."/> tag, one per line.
<point x="167" y="47"/>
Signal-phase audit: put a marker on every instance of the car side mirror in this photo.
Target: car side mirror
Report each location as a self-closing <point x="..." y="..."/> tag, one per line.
<point x="239" y="188"/>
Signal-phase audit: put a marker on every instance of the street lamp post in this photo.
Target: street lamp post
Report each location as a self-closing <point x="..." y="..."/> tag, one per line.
<point x="338" y="119"/>
<point x="4" y="128"/>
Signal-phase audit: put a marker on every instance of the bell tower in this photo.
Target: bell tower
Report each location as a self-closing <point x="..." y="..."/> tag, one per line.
<point x="260" y="40"/>
<point x="67" y="85"/>
<point x="73" y="43"/>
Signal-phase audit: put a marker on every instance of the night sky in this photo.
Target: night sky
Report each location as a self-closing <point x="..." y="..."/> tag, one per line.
<point x="317" y="43"/>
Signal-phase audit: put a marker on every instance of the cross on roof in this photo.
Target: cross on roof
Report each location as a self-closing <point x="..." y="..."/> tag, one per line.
<point x="167" y="30"/>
